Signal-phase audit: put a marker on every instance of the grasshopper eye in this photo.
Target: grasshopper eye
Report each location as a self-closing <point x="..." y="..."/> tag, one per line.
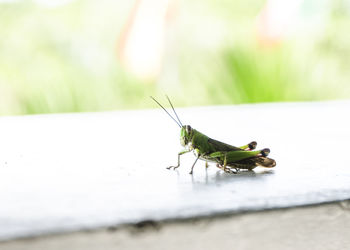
<point x="188" y="129"/>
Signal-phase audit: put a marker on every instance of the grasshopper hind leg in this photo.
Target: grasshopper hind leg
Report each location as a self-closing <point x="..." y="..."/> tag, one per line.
<point x="250" y="146"/>
<point x="227" y="169"/>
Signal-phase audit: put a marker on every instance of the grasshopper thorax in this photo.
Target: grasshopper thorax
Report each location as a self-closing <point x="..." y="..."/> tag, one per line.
<point x="186" y="135"/>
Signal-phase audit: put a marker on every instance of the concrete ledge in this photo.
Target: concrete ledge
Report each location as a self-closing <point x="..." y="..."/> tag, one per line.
<point x="64" y="177"/>
<point x="320" y="227"/>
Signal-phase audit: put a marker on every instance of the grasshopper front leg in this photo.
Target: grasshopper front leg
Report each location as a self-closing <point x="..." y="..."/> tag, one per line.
<point x="178" y="159"/>
<point x="194" y="164"/>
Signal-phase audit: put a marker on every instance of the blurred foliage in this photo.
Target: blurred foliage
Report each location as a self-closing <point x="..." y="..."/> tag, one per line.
<point x="63" y="58"/>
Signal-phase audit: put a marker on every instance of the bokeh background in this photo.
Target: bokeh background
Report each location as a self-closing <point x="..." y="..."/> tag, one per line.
<point x="77" y="56"/>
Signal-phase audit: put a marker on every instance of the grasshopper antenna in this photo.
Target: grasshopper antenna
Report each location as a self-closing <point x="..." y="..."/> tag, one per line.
<point x="174" y="110"/>
<point x="167" y="112"/>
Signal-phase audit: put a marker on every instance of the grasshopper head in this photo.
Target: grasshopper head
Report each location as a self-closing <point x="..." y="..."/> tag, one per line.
<point x="186" y="135"/>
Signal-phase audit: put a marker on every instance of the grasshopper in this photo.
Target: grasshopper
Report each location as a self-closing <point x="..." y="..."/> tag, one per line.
<point x="227" y="157"/>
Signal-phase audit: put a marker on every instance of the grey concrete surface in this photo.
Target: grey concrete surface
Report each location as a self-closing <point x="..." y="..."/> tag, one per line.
<point x="70" y="172"/>
<point x="322" y="227"/>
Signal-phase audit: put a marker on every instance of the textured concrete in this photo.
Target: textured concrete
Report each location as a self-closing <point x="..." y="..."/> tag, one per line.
<point x="322" y="227"/>
<point x="68" y="172"/>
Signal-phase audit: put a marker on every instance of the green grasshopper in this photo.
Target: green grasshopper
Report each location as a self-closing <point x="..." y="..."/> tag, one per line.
<point x="228" y="158"/>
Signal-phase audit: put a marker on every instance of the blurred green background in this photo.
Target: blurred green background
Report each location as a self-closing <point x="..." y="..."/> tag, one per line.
<point x="72" y="56"/>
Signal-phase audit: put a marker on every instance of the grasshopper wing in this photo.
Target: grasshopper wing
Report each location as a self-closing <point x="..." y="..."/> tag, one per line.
<point x="265" y="162"/>
<point x="220" y="146"/>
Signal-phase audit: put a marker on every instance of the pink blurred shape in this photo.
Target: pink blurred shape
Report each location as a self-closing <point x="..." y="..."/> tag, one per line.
<point x="277" y="20"/>
<point x="141" y="44"/>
